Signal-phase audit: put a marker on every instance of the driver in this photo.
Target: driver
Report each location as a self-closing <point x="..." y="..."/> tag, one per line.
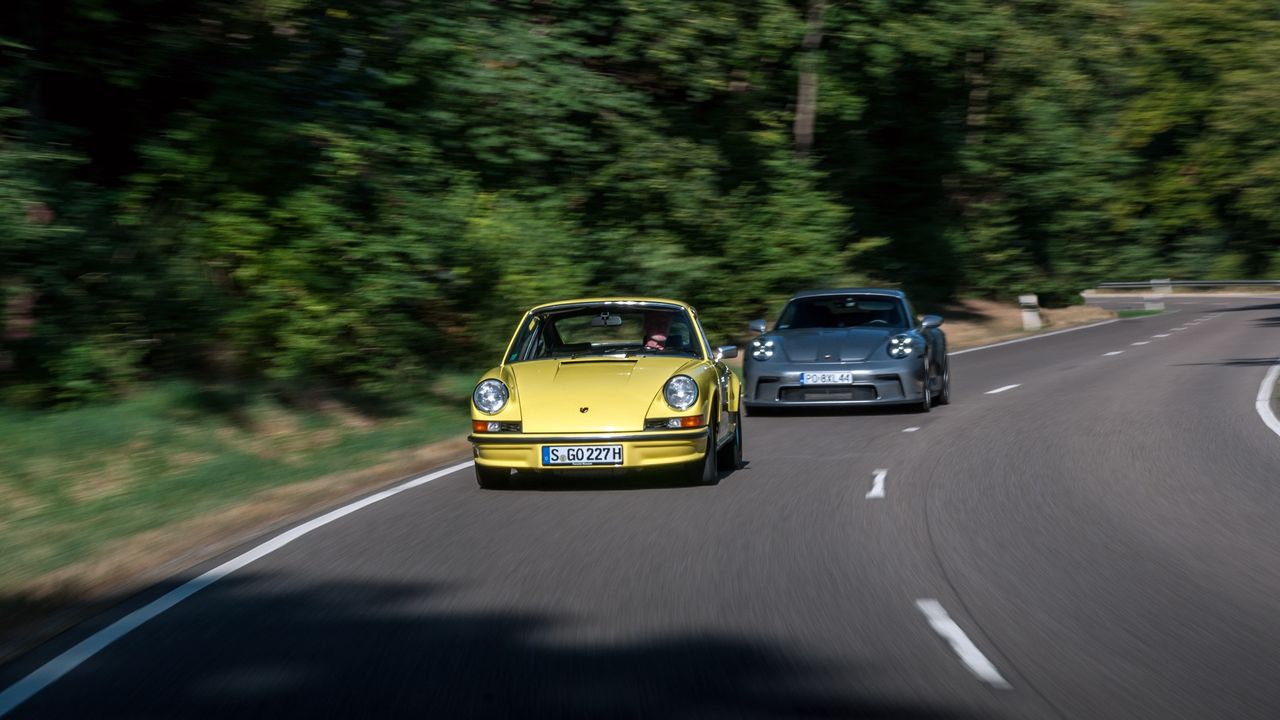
<point x="657" y="324"/>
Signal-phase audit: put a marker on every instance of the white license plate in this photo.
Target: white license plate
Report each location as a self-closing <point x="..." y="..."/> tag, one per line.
<point x="826" y="378"/>
<point x="581" y="454"/>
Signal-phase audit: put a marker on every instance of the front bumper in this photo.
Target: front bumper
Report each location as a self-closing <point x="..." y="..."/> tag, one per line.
<point x="882" y="382"/>
<point x="639" y="450"/>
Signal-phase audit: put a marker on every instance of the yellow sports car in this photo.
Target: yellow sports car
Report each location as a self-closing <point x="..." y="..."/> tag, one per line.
<point x="608" y="383"/>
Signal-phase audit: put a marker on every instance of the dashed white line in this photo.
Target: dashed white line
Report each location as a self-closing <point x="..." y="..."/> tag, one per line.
<point x="1161" y="335"/>
<point x="913" y="428"/>
<point x="1113" y="352"/>
<point x="1178" y="329"/>
<point x="1141" y="342"/>
<point x="969" y="653"/>
<point x="1002" y="389"/>
<point x="69" y="660"/>
<point x="877" y="484"/>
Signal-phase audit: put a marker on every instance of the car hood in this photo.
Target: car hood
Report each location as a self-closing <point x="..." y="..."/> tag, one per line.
<point x="594" y="394"/>
<point x="833" y="344"/>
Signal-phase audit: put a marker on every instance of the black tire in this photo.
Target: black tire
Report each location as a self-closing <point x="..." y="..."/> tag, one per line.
<point x="706" y="472"/>
<point x="926" y="403"/>
<point x="731" y="454"/>
<point x="944" y="394"/>
<point x="493" y="478"/>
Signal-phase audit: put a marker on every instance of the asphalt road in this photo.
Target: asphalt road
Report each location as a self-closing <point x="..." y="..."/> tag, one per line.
<point x="1100" y="541"/>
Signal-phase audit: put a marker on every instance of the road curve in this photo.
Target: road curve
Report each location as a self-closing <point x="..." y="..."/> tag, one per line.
<point x="1098" y="539"/>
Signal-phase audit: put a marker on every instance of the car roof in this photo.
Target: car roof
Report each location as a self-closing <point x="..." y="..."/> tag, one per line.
<point x="618" y="300"/>
<point x="850" y="291"/>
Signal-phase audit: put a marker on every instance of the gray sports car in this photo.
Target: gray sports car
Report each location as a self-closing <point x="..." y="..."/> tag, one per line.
<point x="848" y="347"/>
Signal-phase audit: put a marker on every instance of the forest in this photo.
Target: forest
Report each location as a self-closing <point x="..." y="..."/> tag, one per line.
<point x="362" y="194"/>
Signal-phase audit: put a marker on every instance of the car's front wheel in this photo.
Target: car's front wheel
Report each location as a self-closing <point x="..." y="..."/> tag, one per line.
<point x="731" y="454"/>
<point x="492" y="478"/>
<point x="706" y="472"/>
<point x="926" y="403"/>
<point x="944" y="393"/>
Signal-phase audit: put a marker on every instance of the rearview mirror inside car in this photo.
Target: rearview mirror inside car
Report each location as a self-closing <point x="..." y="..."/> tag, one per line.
<point x="604" y="319"/>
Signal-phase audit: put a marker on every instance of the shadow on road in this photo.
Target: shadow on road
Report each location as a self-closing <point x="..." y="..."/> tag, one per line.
<point x="608" y="480"/>
<point x="272" y="647"/>
<point x="833" y="411"/>
<point x="1238" y="362"/>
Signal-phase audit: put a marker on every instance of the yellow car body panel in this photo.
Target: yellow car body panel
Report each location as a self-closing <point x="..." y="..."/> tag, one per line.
<point x="599" y="399"/>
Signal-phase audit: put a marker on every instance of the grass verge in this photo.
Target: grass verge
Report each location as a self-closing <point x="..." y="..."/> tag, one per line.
<point x="1137" y="313"/>
<point x="74" y="482"/>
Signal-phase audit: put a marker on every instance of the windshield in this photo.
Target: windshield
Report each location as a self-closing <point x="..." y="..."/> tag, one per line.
<point x="843" y="311"/>
<point x="606" y="329"/>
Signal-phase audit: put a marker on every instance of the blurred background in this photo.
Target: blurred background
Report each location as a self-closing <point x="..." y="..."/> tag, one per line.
<point x="244" y="243"/>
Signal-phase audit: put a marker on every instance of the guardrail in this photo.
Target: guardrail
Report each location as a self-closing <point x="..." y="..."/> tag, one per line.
<point x="1158" y="284"/>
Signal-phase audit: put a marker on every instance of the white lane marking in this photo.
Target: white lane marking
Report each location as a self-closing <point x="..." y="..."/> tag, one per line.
<point x="1161" y="335"/>
<point x="42" y="676"/>
<point x="1033" y="337"/>
<point x="1263" y="402"/>
<point x="1002" y="389"/>
<point x="969" y="653"/>
<point x="877" y="484"/>
<point x="1113" y="352"/>
<point x="913" y="428"/>
<point x="1141" y="342"/>
<point x="1177" y="329"/>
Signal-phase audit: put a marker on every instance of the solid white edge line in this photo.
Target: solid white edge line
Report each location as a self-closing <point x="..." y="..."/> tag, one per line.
<point x="64" y="663"/>
<point x="969" y="653"/>
<point x="1002" y="389"/>
<point x="1033" y="337"/>
<point x="877" y="484"/>
<point x="1263" y="402"/>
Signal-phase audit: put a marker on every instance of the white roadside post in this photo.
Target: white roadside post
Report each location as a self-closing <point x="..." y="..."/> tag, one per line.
<point x="1030" y="312"/>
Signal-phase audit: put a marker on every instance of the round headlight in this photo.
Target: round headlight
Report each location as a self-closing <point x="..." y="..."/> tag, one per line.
<point x="490" y="396"/>
<point x="681" y="392"/>
<point x="761" y="349"/>
<point x="901" y="346"/>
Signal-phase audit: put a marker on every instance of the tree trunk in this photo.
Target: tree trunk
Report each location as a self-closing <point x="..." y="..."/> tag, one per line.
<point x="807" y="86"/>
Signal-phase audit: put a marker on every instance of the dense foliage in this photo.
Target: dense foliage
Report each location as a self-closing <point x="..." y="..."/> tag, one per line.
<point x="359" y="192"/>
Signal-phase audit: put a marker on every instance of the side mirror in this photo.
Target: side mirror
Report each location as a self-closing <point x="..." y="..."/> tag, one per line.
<point x="930" y="321"/>
<point x="724" y="352"/>
<point x="757" y="326"/>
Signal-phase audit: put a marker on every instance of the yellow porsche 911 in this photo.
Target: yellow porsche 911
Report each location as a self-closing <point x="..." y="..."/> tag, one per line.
<point x="608" y="383"/>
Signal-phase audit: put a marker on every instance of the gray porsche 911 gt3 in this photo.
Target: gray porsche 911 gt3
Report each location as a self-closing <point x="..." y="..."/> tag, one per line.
<point x="847" y="347"/>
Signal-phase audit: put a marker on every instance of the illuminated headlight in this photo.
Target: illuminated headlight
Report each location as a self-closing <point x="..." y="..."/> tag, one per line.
<point x="681" y="392"/>
<point x="761" y="349"/>
<point x="490" y="396"/>
<point x="901" y="346"/>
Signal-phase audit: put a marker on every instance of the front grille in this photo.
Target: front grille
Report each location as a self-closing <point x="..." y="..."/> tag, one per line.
<point x="833" y="393"/>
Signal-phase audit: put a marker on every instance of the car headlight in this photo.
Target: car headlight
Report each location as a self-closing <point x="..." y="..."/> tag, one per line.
<point x="761" y="349"/>
<point x="490" y="396"/>
<point x="681" y="392"/>
<point x="901" y="346"/>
